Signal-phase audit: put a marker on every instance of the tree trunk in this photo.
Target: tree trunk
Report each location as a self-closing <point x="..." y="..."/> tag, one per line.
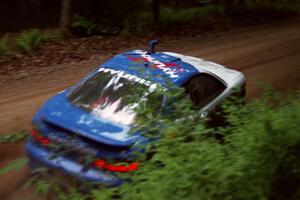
<point x="65" y="16"/>
<point x="155" y="11"/>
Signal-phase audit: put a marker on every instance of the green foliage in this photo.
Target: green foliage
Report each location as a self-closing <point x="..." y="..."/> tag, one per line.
<point x="30" y="40"/>
<point x="258" y="159"/>
<point x="13" y="165"/>
<point x="170" y="17"/>
<point x="84" y="27"/>
<point x="136" y="18"/>
<point x="141" y="22"/>
<point x="263" y="8"/>
<point x="53" y="35"/>
<point x="136" y="23"/>
<point x="44" y="184"/>
<point x="81" y="25"/>
<point x="4" y="47"/>
<point x="11" y="138"/>
<point x="292" y="8"/>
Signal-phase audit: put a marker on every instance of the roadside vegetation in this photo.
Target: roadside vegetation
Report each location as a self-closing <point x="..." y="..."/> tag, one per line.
<point x="172" y="17"/>
<point x="139" y="19"/>
<point x="255" y="156"/>
<point x="13" y="137"/>
<point x="27" y="42"/>
<point x="4" y="48"/>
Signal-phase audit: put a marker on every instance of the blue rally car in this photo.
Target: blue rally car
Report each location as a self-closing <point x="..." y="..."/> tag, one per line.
<point x="92" y="119"/>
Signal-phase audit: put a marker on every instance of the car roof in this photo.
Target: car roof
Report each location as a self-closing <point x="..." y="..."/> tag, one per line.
<point x="228" y="76"/>
<point x="158" y="67"/>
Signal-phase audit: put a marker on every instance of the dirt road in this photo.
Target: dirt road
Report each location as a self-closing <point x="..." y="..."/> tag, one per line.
<point x="268" y="53"/>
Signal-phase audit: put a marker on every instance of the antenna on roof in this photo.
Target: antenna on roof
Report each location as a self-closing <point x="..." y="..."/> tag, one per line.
<point x="152" y="45"/>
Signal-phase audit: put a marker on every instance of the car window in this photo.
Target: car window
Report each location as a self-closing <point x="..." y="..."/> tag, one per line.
<point x="203" y="88"/>
<point x="106" y="95"/>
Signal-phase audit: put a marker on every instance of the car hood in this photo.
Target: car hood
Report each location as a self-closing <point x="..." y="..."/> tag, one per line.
<point x="59" y="111"/>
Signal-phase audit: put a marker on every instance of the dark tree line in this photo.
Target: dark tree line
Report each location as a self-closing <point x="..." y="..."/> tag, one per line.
<point x="16" y="15"/>
<point x="65" y="15"/>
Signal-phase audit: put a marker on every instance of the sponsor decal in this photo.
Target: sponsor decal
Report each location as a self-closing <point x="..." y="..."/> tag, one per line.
<point x="171" y="69"/>
<point x="126" y="76"/>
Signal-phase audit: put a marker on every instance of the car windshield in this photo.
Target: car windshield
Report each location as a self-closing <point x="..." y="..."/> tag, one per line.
<point x="109" y="94"/>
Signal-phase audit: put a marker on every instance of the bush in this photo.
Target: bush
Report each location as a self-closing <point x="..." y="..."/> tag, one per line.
<point x="257" y="159"/>
<point x="141" y="22"/>
<point x="137" y="23"/>
<point x="4" y="48"/>
<point x="170" y="17"/>
<point x="29" y="41"/>
<point x="81" y="26"/>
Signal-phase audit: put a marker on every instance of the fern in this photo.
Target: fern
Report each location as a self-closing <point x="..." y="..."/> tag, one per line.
<point x="13" y="165"/>
<point x="11" y="138"/>
<point x="29" y="41"/>
<point x="81" y="25"/>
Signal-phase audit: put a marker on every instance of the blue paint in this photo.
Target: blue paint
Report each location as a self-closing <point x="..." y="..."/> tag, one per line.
<point x="60" y="111"/>
<point x="59" y="119"/>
